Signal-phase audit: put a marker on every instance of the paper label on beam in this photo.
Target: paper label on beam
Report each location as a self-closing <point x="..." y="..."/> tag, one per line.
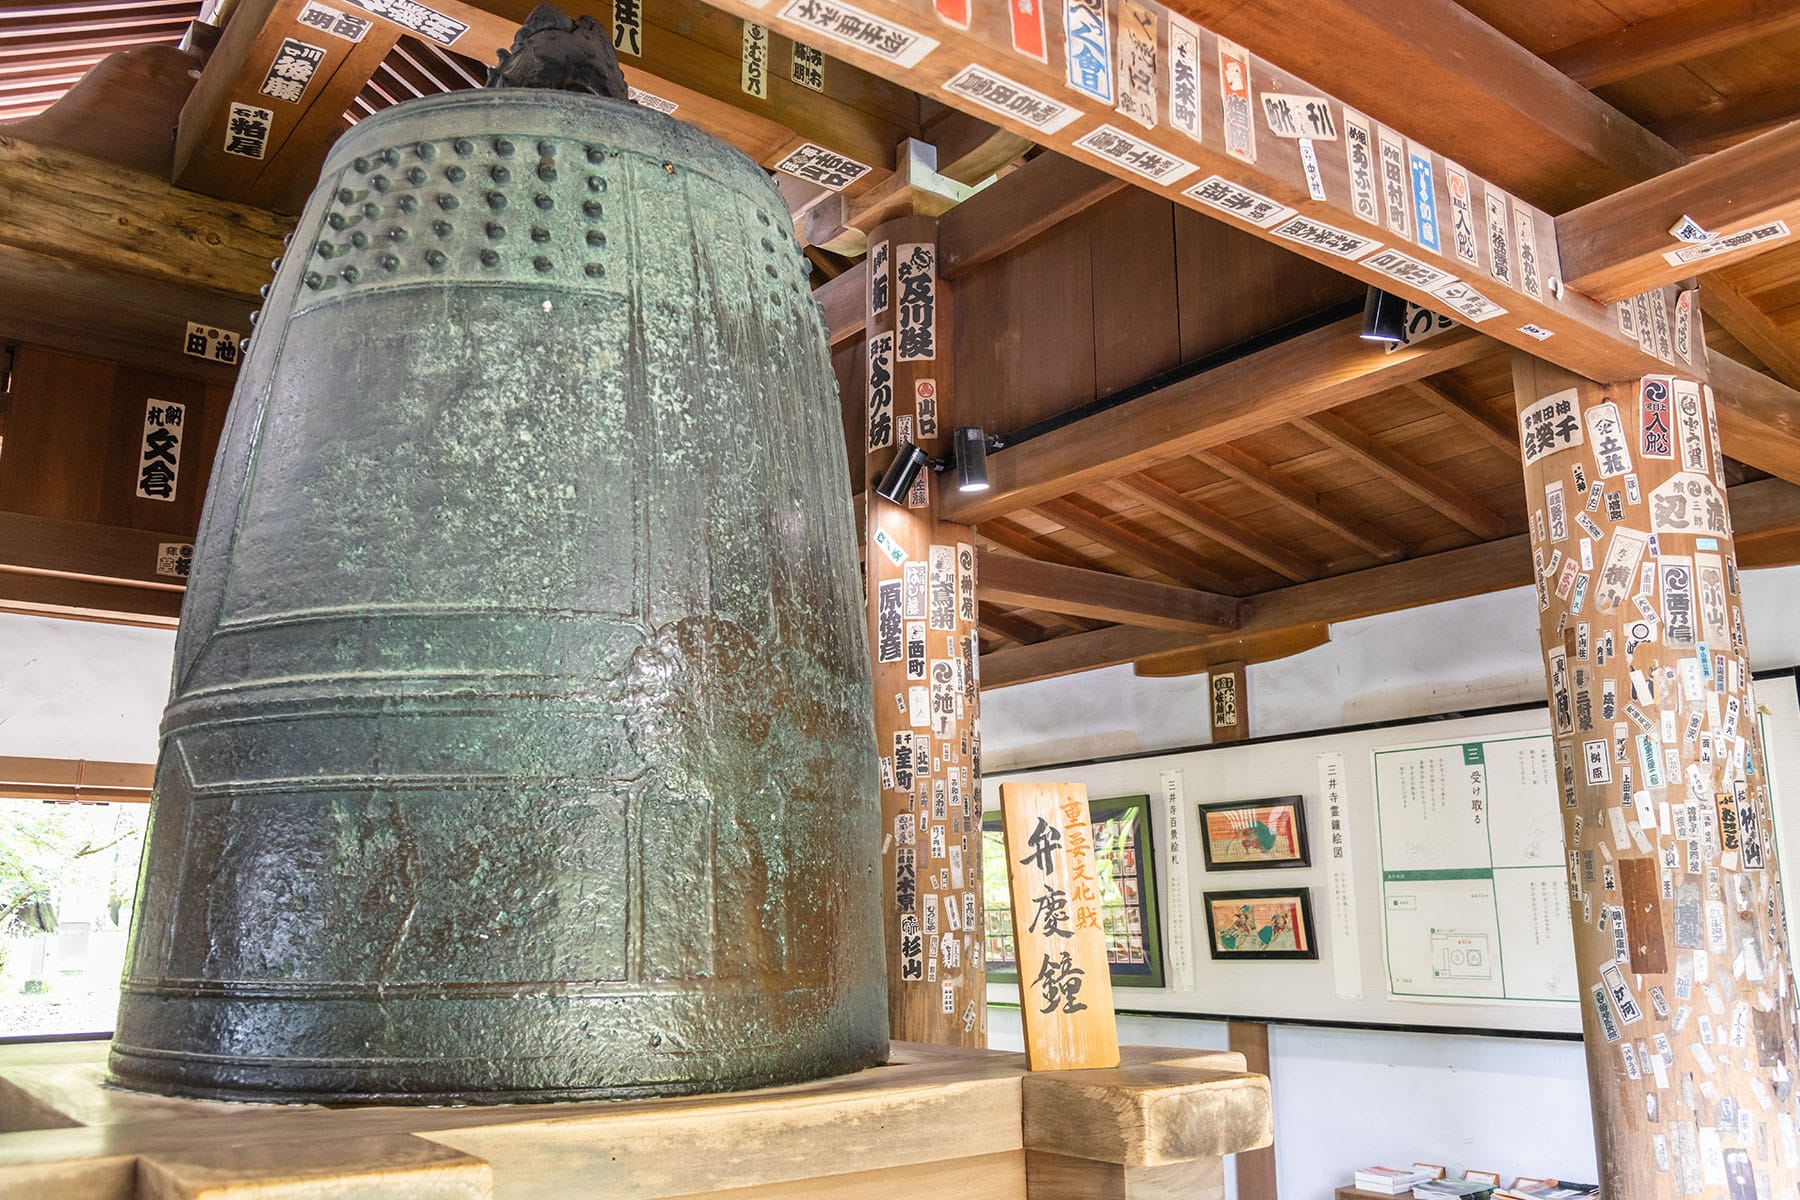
<point x="1028" y="28"/>
<point x="247" y="130"/>
<point x="1184" y="76"/>
<point x="628" y="27"/>
<point x="1290" y="115"/>
<point x="754" y="78"/>
<point x="1406" y="269"/>
<point x="1499" y="237"/>
<point x="338" y="24"/>
<point x="1537" y="331"/>
<point x="1328" y="238"/>
<point x="1469" y="303"/>
<point x="160" y="460"/>
<point x="1346" y="941"/>
<point x="644" y="99"/>
<point x="954" y="13"/>
<point x="1774" y="231"/>
<point x="292" y="70"/>
<point x="1420" y="323"/>
<point x="806" y="67"/>
<point x="1135" y="155"/>
<point x="1137" y="64"/>
<point x="998" y="94"/>
<point x="861" y="30"/>
<point x="1424" y="197"/>
<point x="174" y="558"/>
<point x="1395" y="190"/>
<point x="1087" y="42"/>
<point x="1309" y="162"/>
<point x="827" y="168"/>
<point x="212" y="344"/>
<point x="1462" y="215"/>
<point x="915" y="301"/>
<point x="1525" y="230"/>
<point x="428" y="23"/>
<point x="1233" y="199"/>
<point x="1234" y="92"/>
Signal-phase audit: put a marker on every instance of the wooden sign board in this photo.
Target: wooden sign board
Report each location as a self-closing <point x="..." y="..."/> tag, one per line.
<point x="1065" y="986"/>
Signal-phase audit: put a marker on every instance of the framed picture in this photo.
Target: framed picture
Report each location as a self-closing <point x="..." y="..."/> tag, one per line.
<point x="1261" y="923"/>
<point x="1125" y="867"/>
<point x="1254" y="835"/>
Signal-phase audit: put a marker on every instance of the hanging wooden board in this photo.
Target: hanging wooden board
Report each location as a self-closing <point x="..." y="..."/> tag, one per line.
<point x="1067" y="996"/>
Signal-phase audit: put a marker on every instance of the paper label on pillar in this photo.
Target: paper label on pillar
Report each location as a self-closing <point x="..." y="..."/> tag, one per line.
<point x="1499" y="237"/>
<point x="1238" y="201"/>
<point x="1469" y="304"/>
<point x="943" y="588"/>
<point x="428" y="23"/>
<point x="1295" y="116"/>
<point x="863" y="31"/>
<point x="1556" y="510"/>
<point x="1463" y="239"/>
<point x="1688" y="503"/>
<point x="1009" y="98"/>
<point x="881" y="391"/>
<point x="943" y="702"/>
<point x="1550" y="425"/>
<point x="1396" y="187"/>
<point x="1603" y="1013"/>
<point x="915" y="575"/>
<point x="1359" y="155"/>
<point x="292" y="70"/>
<point x="1328" y="238"/>
<point x="1234" y="95"/>
<point x="1137" y="64"/>
<point x="915" y="648"/>
<point x="890" y="627"/>
<point x="912" y="949"/>
<point x="1424" y="197"/>
<point x="1616" y="575"/>
<point x="1562" y="707"/>
<point x="317" y="16"/>
<point x="925" y="400"/>
<point x="1176" y="944"/>
<point x="159" y="461"/>
<point x="1659" y="327"/>
<point x="918" y="710"/>
<point x="247" y="130"/>
<point x="1709" y="584"/>
<point x="1656" y="438"/>
<point x="903" y="777"/>
<point x="827" y="168"/>
<point x="1408" y="270"/>
<point x="753" y="80"/>
<point x="1612" y="456"/>
<point x="885" y="543"/>
<point x="1690" y="427"/>
<point x="915" y="301"/>
<point x="1525" y="231"/>
<point x="965" y="582"/>
<point x="1676" y="576"/>
<point x="1184" y="76"/>
<point x="878" y="278"/>
<point x="1640" y="308"/>
<point x="1712" y="431"/>
<point x="1027" y="18"/>
<point x="1773" y="231"/>
<point x="1134" y="154"/>
<point x="1087" y="41"/>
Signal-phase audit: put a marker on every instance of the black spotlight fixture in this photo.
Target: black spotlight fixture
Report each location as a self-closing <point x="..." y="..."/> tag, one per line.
<point x="1384" y="317"/>
<point x="971" y="450"/>
<point x="897" y="480"/>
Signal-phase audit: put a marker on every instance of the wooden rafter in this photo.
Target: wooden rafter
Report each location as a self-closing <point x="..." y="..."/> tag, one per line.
<point x="1210" y="523"/>
<point x="1421" y="483"/>
<point x="1259" y="476"/>
<point x="1159" y="556"/>
<point x="1011" y="626"/>
<point x="1040" y="195"/>
<point x="1469" y="416"/>
<point x="1670" y="38"/>
<point x="1099" y="595"/>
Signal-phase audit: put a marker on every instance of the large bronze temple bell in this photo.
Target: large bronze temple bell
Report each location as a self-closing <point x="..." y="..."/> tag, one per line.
<point x="519" y="745"/>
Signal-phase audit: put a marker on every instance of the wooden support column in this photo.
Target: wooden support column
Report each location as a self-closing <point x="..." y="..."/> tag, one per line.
<point x="1230" y="707"/>
<point x="923" y="641"/>
<point x="1680" y="938"/>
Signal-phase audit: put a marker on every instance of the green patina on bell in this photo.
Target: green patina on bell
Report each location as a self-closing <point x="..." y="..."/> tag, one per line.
<point x="519" y="745"/>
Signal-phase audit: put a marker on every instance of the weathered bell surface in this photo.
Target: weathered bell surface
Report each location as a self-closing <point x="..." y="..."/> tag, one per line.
<point x="519" y="745"/>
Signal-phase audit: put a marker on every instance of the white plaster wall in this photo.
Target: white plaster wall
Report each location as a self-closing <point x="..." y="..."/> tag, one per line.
<point x="79" y="689"/>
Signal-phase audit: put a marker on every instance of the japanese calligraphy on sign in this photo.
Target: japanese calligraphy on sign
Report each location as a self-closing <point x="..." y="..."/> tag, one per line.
<point x="1064" y="982"/>
<point x="1359" y="156"/>
<point x="965" y="582"/>
<point x="1027" y="18"/>
<point x="1690" y="427"/>
<point x="1296" y="116"/>
<point x="1774" y="231"/>
<point x="925" y="400"/>
<point x="1462" y="215"/>
<point x="878" y="278"/>
<point x="943" y="588"/>
<point x="1550" y="425"/>
<point x="247" y="130"/>
<point x="1088" y="44"/>
<point x="1499" y="237"/>
<point x="160" y="460"/>
<point x="317" y="16"/>
<point x="1134" y="154"/>
<point x="1470" y="304"/>
<point x="1408" y="270"/>
<point x="807" y="67"/>
<point x="1688" y="502"/>
<point x="1658" y="439"/>
<point x="827" y="168"/>
<point x="213" y="344"/>
<point x="1424" y="197"/>
<point x="1137" y="63"/>
<point x="1184" y="76"/>
<point x="294" y="66"/>
<point x="915" y="302"/>
<point x="174" y="558"/>
<point x="890" y="628"/>
<point x="1395" y="191"/>
<point x="628" y="27"/>
<point x="997" y="93"/>
<point x="428" y="23"/>
<point x="1238" y="201"/>
<point x="881" y="391"/>
<point x="1612" y="457"/>
<point x="754" y="78"/>
<point x="871" y="34"/>
<point x="1234" y="93"/>
<point x="1530" y="270"/>
<point x="1328" y="238"/>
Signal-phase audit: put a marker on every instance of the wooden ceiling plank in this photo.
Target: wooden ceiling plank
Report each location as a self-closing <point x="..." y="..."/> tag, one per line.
<point x="1012" y="626"/>
<point x="1670" y="38"/>
<point x="1729" y="122"/>
<point x="1483" y="424"/>
<point x="1102" y="596"/>
<point x="1725" y="301"/>
<point x="1158" y="556"/>
<point x="1216" y="525"/>
<point x="1419" y="482"/>
<point x="1311" y="372"/>
<point x="1253" y="473"/>
<point x="1613" y="247"/>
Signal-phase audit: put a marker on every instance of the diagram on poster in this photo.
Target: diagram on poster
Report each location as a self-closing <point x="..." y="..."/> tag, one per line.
<point x="1474" y="896"/>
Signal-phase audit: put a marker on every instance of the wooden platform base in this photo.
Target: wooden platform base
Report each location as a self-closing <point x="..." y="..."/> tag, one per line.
<point x="936" y="1121"/>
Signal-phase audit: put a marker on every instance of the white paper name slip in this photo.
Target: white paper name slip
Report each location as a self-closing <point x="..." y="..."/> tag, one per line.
<point x="1065" y="984"/>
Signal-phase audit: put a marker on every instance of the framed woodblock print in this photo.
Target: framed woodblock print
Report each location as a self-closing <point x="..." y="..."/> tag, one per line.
<point x="1273" y="923"/>
<point x="1254" y="835"/>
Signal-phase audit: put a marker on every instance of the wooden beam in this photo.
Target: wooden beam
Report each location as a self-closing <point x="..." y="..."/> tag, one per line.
<point x="1117" y="645"/>
<point x="1613" y="247"/>
<point x="1759" y="419"/>
<point x="1009" y="212"/>
<point x="1420" y="482"/>
<point x="79" y="779"/>
<point x="1725" y="301"/>
<point x="78" y="550"/>
<point x="1671" y="38"/>
<point x="1253" y="473"/>
<point x="1185" y="510"/>
<point x="1097" y="594"/>
<point x="1723" y="124"/>
<point x="1255" y="1168"/>
<point x="1470" y="417"/>
<point x="1159" y="556"/>
<point x="1309" y="373"/>
<point x="90" y="212"/>
<point x="1012" y="626"/>
<point x="970" y="149"/>
<point x="845" y="300"/>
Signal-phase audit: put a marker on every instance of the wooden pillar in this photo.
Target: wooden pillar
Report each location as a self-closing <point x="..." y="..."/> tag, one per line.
<point x="1680" y="937"/>
<point x="922" y="638"/>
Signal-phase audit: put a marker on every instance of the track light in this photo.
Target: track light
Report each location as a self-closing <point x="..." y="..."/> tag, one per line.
<point x="897" y="480"/>
<point x="1384" y="317"/>
<point x="971" y="459"/>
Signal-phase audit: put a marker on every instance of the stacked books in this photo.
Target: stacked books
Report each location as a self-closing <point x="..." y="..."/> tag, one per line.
<point x="1453" y="1189"/>
<point x="1389" y="1181"/>
<point x="1556" y="1189"/>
